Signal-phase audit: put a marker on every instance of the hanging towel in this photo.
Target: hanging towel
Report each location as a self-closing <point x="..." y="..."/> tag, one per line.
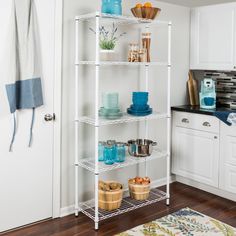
<point x="228" y="117"/>
<point x="24" y="88"/>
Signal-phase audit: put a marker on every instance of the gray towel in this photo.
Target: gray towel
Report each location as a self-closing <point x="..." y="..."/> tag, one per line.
<point x="24" y="88"/>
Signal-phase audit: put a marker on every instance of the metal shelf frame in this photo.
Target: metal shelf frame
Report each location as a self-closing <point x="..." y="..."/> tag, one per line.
<point x="91" y="208"/>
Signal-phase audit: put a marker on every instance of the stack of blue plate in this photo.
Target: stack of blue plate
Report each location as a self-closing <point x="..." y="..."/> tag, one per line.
<point x="110" y="114"/>
<point x="140" y="106"/>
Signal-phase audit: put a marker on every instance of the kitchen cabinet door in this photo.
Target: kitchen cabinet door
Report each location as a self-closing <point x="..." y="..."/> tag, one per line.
<point x="213" y="31"/>
<point x="195" y="155"/>
<point x="228" y="158"/>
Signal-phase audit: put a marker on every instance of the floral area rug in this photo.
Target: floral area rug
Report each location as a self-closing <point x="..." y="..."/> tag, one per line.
<point x="185" y="222"/>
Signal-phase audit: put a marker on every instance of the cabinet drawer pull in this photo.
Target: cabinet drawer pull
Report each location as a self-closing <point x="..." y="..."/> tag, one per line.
<point x="185" y="120"/>
<point x="207" y="124"/>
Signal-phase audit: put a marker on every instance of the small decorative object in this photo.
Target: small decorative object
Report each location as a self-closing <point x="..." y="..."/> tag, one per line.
<point x="120" y="152"/>
<point x="208" y="94"/>
<point x="139" y="188"/>
<point x="108" y="40"/>
<point x="140" y="106"/>
<point x="113" y="7"/>
<point x="146" y="11"/>
<point x="146" y="41"/>
<point x="133" y="54"/>
<point x="110" y="195"/>
<point x="110" y="106"/>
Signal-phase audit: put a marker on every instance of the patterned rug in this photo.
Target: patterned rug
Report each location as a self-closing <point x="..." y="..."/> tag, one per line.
<point x="185" y="222"/>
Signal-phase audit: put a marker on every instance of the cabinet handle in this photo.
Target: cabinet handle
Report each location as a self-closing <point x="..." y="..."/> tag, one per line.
<point x="215" y="137"/>
<point x="207" y="124"/>
<point x="234" y="67"/>
<point x="185" y="120"/>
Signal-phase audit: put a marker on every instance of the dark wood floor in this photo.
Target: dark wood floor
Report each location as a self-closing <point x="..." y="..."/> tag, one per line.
<point x="182" y="196"/>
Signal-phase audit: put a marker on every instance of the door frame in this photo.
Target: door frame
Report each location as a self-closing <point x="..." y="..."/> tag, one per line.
<point x="58" y="40"/>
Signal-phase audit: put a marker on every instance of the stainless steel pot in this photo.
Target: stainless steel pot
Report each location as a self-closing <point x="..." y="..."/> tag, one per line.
<point x="140" y="147"/>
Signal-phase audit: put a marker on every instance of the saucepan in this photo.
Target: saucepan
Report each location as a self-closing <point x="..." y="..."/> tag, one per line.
<point x="140" y="147"/>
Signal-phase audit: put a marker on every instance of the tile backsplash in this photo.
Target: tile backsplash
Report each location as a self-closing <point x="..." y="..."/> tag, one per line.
<point x="225" y="86"/>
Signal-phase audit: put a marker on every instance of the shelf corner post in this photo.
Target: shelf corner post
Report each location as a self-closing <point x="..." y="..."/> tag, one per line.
<point x="96" y="179"/>
<point x="168" y="115"/>
<point x="76" y="118"/>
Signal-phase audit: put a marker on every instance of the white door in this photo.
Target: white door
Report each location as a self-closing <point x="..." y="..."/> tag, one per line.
<point x="26" y="173"/>
<point x="228" y="158"/>
<point x="213" y="31"/>
<point x="195" y="155"/>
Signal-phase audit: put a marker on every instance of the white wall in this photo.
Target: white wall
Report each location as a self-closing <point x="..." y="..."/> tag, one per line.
<point x="121" y="79"/>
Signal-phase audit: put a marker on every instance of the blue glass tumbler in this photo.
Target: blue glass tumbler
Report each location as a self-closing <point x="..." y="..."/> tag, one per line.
<point x="116" y="7"/>
<point x="109" y="154"/>
<point x="106" y="6"/>
<point x="112" y="7"/>
<point x="120" y="152"/>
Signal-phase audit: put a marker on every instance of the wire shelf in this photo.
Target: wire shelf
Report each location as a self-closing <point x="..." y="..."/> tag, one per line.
<point x="89" y="163"/>
<point x="122" y="63"/>
<point x="120" y="19"/>
<point x="126" y="118"/>
<point x="128" y="204"/>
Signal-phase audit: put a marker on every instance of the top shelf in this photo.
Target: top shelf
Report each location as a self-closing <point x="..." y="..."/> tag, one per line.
<point x="120" y="19"/>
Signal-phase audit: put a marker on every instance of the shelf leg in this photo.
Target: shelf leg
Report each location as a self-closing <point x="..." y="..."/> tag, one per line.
<point x="76" y="118"/>
<point x="96" y="226"/>
<point x="169" y="117"/>
<point x="167" y="201"/>
<point x="96" y="177"/>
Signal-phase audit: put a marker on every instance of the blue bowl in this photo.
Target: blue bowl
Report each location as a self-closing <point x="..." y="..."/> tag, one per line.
<point x="209" y="101"/>
<point x="140" y="94"/>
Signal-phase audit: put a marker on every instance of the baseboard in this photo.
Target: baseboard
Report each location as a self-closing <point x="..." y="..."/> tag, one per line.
<point x="65" y="211"/>
<point x="207" y="188"/>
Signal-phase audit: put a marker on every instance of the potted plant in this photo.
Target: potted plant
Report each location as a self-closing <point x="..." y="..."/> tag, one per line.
<point x="108" y="40"/>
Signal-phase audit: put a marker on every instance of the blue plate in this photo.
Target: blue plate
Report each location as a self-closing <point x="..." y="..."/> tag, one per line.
<point x="139" y="113"/>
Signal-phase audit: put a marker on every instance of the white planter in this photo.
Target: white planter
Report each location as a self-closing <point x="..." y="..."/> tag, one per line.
<point x="108" y="55"/>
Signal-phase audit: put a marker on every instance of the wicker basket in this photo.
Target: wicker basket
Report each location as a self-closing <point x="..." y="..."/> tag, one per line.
<point x="110" y="200"/>
<point x="139" y="192"/>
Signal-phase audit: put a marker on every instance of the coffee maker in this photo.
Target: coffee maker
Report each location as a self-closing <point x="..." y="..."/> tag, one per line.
<point x="207" y="95"/>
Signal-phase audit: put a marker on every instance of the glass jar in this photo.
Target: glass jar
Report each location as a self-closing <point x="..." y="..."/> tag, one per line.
<point x="109" y="154"/>
<point x="101" y="151"/>
<point x="133" y="52"/>
<point x="120" y="152"/>
<point x="142" y="55"/>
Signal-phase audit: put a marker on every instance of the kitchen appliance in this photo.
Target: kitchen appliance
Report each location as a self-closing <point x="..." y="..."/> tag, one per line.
<point x="208" y="94"/>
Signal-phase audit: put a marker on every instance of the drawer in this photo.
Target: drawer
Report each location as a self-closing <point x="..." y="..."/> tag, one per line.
<point x="196" y="121"/>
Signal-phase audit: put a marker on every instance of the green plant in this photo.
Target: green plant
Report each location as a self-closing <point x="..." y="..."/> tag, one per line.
<point x="108" y="39"/>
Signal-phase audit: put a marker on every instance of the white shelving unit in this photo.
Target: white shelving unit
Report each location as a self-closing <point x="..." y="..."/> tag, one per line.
<point x="90" y="208"/>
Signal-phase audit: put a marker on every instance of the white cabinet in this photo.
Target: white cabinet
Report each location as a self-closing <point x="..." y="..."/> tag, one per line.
<point x="228" y="158"/>
<point x="213" y="37"/>
<point x="195" y="152"/>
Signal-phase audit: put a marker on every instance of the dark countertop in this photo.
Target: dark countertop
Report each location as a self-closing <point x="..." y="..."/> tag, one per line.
<point x="198" y="110"/>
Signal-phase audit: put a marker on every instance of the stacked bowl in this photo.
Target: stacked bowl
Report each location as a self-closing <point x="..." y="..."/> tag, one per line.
<point x="110" y="109"/>
<point x="140" y="105"/>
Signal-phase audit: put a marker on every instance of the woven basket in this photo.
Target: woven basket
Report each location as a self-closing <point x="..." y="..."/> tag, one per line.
<point x="139" y="192"/>
<point x="110" y="200"/>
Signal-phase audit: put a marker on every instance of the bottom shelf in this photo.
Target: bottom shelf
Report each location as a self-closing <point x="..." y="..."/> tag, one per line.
<point x="128" y="204"/>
